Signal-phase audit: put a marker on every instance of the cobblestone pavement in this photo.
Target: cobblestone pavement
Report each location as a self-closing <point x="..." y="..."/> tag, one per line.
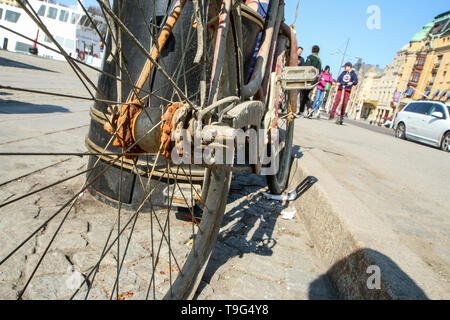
<point x="258" y="254"/>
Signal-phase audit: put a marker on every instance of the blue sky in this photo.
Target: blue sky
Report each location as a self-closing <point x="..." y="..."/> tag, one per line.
<point x="329" y="23"/>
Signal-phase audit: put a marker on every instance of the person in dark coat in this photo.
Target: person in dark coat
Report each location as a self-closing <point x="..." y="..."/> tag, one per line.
<point x="314" y="61"/>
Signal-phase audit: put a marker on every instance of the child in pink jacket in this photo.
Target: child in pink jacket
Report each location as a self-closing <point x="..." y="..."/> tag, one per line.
<point x="324" y="78"/>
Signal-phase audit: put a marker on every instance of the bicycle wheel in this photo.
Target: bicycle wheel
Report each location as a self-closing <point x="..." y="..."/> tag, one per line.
<point x="277" y="183"/>
<point x="75" y="247"/>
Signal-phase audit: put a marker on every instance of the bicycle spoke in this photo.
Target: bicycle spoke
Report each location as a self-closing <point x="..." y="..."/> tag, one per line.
<point x="109" y="75"/>
<point x="178" y="73"/>
<point x="80" y="74"/>
<point x="185" y="200"/>
<point x="146" y="53"/>
<point x="153" y="212"/>
<point x="105" y="252"/>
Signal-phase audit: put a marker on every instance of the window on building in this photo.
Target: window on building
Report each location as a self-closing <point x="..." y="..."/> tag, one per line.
<point x="101" y="28"/>
<point x="421" y="61"/>
<point x="433" y="78"/>
<point x="60" y="40"/>
<point x="41" y="11"/>
<point x="69" y="44"/>
<point x="74" y="18"/>
<point x="82" y="20"/>
<point x="88" y="23"/>
<point x="438" y="27"/>
<point x="12" y="16"/>
<point x="47" y="39"/>
<point x="1" y="13"/>
<point x="52" y="12"/>
<point x="63" y="15"/>
<point x="415" y="77"/>
<point x="22" y="47"/>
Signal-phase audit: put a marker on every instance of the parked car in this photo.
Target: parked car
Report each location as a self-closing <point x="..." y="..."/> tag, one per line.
<point x="425" y="121"/>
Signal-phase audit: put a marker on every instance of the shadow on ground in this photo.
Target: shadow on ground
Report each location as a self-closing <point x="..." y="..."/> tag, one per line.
<point x="255" y="209"/>
<point x="19" y="107"/>
<point x="4" y="62"/>
<point x="354" y="286"/>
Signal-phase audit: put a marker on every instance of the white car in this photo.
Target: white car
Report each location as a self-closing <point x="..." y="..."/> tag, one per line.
<point x="425" y="121"/>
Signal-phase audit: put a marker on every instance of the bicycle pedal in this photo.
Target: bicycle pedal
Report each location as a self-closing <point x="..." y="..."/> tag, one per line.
<point x="297" y="78"/>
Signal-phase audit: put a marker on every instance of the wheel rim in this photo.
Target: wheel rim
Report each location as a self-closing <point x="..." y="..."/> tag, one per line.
<point x="446" y="143"/>
<point x="285" y="127"/>
<point x="400" y="130"/>
<point x="174" y="251"/>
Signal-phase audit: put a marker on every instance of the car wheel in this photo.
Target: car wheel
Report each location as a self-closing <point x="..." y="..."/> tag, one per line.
<point x="445" y="146"/>
<point x="400" y="131"/>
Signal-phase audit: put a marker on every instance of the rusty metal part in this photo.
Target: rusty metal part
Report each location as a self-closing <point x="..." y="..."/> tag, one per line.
<point x="167" y="127"/>
<point x="162" y="40"/>
<point x="219" y="50"/>
<point x="271" y="60"/>
<point x="122" y="123"/>
<point x="125" y="119"/>
<point x="290" y="33"/>
<point x="146" y="129"/>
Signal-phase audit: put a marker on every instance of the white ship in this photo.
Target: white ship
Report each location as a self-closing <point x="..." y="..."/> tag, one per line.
<point x="70" y="27"/>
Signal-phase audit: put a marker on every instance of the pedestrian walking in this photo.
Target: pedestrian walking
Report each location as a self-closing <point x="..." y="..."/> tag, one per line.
<point x="300" y="60"/>
<point x="346" y="81"/>
<point x="325" y="82"/>
<point x="314" y="61"/>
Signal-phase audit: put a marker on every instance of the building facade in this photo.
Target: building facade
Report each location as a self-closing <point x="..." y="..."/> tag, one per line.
<point x="10" y="3"/>
<point x="419" y="71"/>
<point x="426" y="71"/>
<point x="371" y="100"/>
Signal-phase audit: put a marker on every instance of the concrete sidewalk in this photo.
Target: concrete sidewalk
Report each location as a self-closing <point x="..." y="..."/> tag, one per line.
<point x="378" y="201"/>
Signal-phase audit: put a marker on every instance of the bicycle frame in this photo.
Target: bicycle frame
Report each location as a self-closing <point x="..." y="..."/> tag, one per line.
<point x="228" y="30"/>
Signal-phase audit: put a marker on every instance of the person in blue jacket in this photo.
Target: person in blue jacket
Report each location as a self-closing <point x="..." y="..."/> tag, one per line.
<point x="347" y="79"/>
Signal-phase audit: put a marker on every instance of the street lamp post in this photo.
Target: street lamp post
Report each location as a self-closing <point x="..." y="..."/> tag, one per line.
<point x="343" y="56"/>
<point x="403" y="91"/>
